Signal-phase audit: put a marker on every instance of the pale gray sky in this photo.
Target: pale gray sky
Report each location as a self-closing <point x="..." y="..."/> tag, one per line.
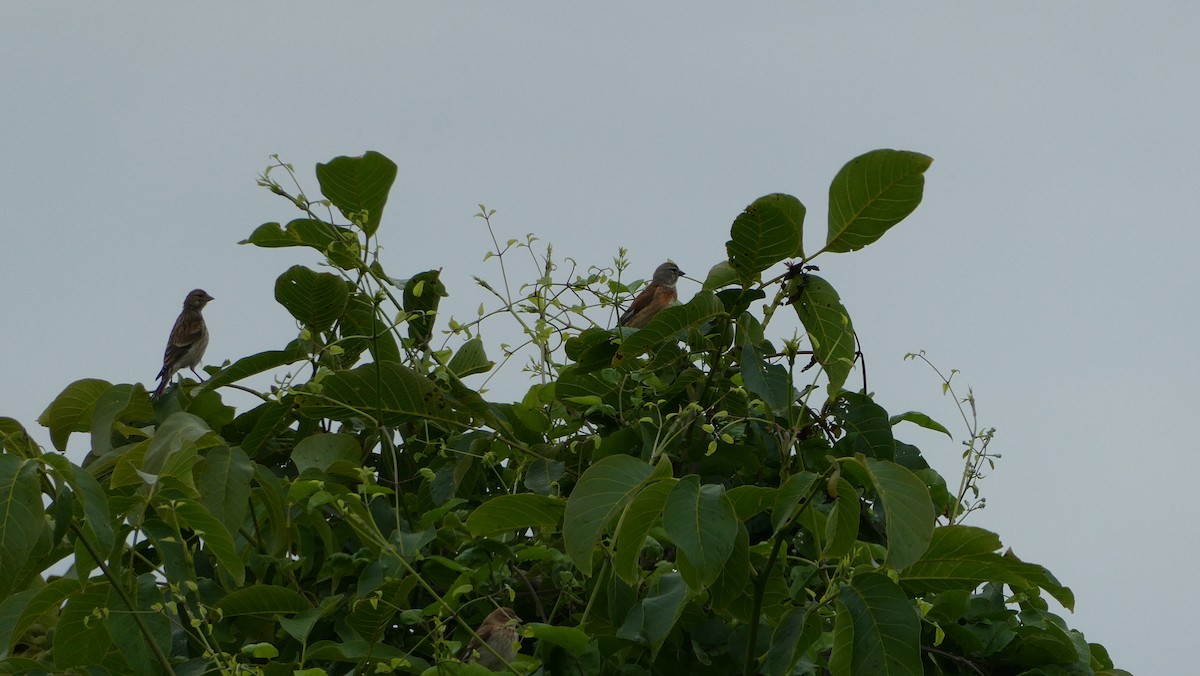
<point x="1053" y="260"/>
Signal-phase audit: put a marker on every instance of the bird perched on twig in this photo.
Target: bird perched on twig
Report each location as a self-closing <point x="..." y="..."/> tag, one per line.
<point x="189" y="338"/>
<point x="499" y="630"/>
<point x="658" y="294"/>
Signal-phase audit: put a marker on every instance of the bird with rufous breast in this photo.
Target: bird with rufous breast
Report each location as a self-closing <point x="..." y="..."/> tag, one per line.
<point x="498" y="630"/>
<point x="658" y="294"/>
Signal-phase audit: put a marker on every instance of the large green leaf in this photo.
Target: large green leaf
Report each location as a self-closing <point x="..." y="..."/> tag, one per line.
<point x="262" y="599"/>
<point x="792" y="496"/>
<point x="90" y="641"/>
<point x="867" y="428"/>
<point x="652" y="619"/>
<point x="799" y="629"/>
<point x="215" y="535"/>
<point x="173" y="452"/>
<point x="872" y="193"/>
<point x="389" y="391"/>
<point x="841" y="530"/>
<point x="506" y="513"/>
<point x="729" y="588"/>
<point x="768" y="231"/>
<point x="639" y="517"/>
<point x="964" y="557"/>
<point x="907" y="507"/>
<point x="671" y="322"/>
<point x="749" y="501"/>
<point x="71" y="410"/>
<point x="255" y="364"/>
<point x="98" y="521"/>
<point x="771" y="382"/>
<point x="423" y="292"/>
<point x="223" y="480"/>
<point x="602" y="492"/>
<point x="16" y="440"/>
<point x="364" y="327"/>
<point x="22" y="519"/>
<point x="876" y="630"/>
<point x="702" y="524"/>
<point x="470" y="359"/>
<point x="315" y="299"/>
<point x="117" y="406"/>
<point x="358" y="186"/>
<point x="572" y="639"/>
<point x="321" y="451"/>
<point x="828" y="325"/>
<point x="300" y="232"/>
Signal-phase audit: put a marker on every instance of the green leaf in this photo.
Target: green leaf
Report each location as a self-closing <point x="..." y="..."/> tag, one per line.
<point x="391" y="391"/>
<point x="652" y="619"/>
<point x="15" y="439"/>
<point x="749" y="501"/>
<point x="771" y="382"/>
<point x="423" y="293"/>
<point x="363" y="327"/>
<point x="639" y="517"/>
<point x="720" y="276"/>
<point x="876" y="630"/>
<point x="23" y="609"/>
<point x="262" y="599"/>
<point x="505" y="513"/>
<point x="921" y="420"/>
<point x="730" y="586"/>
<point x="872" y="193"/>
<point x="470" y="359"/>
<point x="315" y="299"/>
<point x="573" y="639"/>
<point x="702" y="308"/>
<point x="907" y="507"/>
<point x="867" y="428"/>
<point x="299" y="232"/>
<point x="89" y="640"/>
<point x="841" y="530"/>
<point x="358" y="186"/>
<point x="965" y="557"/>
<point x="602" y="492"/>
<point x="828" y="325"/>
<point x="98" y="521"/>
<point x="71" y="410"/>
<point x="215" y="535"/>
<point x="702" y="524"/>
<point x="255" y="364"/>
<point x="797" y="632"/>
<point x="223" y="480"/>
<point x="22" y="520"/>
<point x="320" y="451"/>
<point x="793" y="495"/>
<point x="117" y="406"/>
<point x="768" y="231"/>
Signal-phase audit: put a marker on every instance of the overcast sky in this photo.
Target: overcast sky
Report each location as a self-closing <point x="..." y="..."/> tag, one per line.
<point x="1053" y="260"/>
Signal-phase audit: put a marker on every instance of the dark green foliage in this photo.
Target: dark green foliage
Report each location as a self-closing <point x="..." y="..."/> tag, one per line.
<point x="678" y="499"/>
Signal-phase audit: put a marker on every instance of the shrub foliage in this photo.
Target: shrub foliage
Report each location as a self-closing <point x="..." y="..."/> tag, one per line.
<point x="691" y="497"/>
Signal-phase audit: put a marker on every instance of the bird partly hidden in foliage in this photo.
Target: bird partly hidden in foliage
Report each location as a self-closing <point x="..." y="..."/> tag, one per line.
<point x="499" y="630"/>
<point x="189" y="338"/>
<point x="658" y="294"/>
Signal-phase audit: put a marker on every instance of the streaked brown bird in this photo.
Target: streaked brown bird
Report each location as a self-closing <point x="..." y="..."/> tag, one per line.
<point x="499" y="630"/>
<point x="189" y="338"/>
<point x="658" y="294"/>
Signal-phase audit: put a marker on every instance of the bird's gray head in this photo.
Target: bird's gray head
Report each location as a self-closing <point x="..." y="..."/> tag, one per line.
<point x="667" y="273"/>
<point x="197" y="299"/>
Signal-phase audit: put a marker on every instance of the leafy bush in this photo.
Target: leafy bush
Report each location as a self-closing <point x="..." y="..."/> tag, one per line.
<point x="690" y="497"/>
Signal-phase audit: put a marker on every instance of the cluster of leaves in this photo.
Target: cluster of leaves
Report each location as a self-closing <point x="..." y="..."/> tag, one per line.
<point x="666" y="500"/>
